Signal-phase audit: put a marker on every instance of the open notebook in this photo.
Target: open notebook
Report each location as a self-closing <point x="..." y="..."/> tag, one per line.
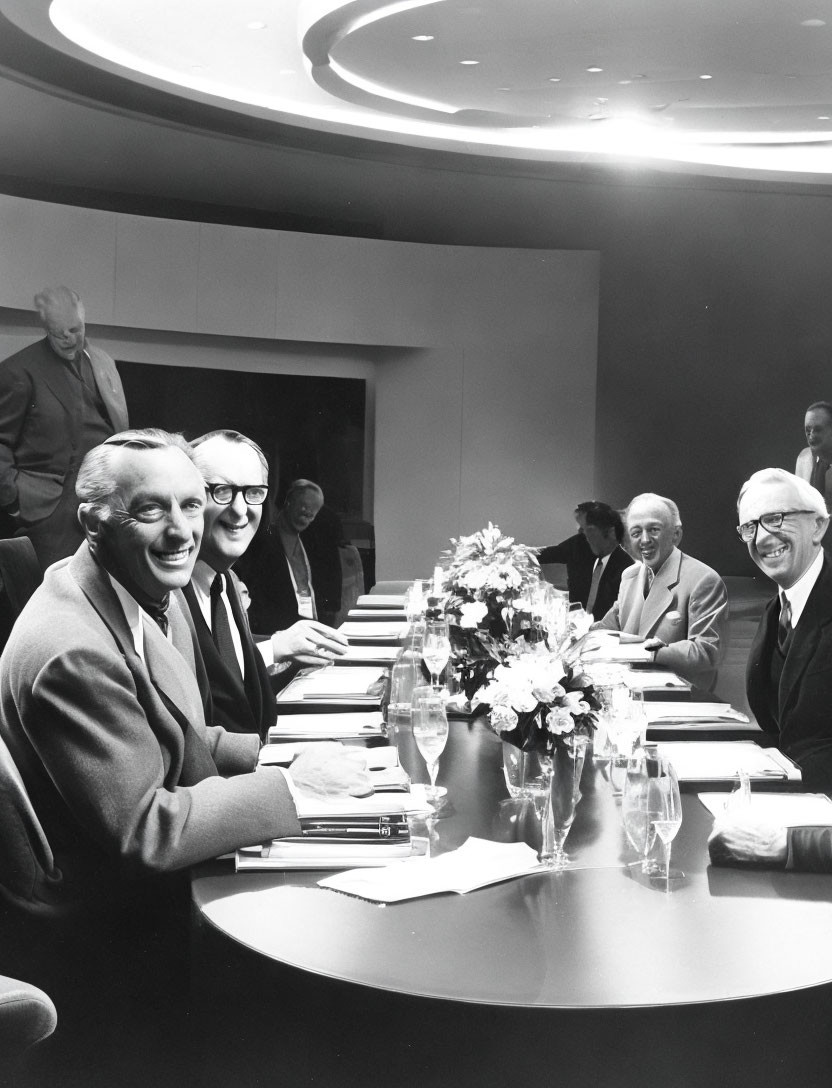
<point x="716" y="765"/>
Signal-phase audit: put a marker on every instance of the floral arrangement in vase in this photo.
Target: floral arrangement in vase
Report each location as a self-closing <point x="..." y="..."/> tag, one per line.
<point x="486" y="585"/>
<point x="536" y="700"/>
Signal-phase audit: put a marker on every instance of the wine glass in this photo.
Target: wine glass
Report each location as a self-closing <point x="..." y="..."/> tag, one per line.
<point x="436" y="649"/>
<point x="639" y="805"/>
<point x="430" y="731"/>
<point x="668" y="813"/>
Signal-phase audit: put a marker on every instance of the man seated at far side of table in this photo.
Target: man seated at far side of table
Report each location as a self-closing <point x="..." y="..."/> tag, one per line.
<point x="597" y="540"/>
<point x="672" y="602"/>
<point x="235" y="471"/>
<point x="99" y="701"/>
<point x="782" y="520"/>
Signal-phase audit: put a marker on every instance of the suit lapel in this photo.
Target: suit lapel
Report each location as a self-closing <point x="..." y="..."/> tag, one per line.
<point x="815" y="616"/>
<point x="104" y="383"/>
<point x="251" y="655"/>
<point x="661" y="594"/>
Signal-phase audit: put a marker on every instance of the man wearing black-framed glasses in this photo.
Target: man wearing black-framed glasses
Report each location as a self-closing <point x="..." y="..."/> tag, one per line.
<point x="782" y="520"/>
<point x="236" y="486"/>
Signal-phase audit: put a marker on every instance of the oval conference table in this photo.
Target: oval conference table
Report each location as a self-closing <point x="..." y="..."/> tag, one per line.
<point x="593" y="976"/>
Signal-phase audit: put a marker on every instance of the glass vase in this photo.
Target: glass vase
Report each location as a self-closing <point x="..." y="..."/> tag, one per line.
<point x="567" y="764"/>
<point x="526" y="773"/>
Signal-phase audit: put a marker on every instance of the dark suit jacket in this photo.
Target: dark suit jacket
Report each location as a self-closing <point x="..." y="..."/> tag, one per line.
<point x="114" y="753"/>
<point x="803" y="719"/>
<point x="579" y="560"/>
<point x="238" y="707"/>
<point x="265" y="571"/>
<point x="618" y="561"/>
<point x="39" y="436"/>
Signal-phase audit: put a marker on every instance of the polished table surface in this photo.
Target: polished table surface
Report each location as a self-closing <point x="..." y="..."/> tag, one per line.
<point x="597" y="936"/>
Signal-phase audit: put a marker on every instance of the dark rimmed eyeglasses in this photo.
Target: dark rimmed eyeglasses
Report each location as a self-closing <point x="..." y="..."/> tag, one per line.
<point x="748" y="530"/>
<point x="225" y="494"/>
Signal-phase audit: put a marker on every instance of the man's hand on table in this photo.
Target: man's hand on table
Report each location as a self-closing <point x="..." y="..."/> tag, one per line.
<point x="332" y="770"/>
<point x="744" y="841"/>
<point x="308" y="643"/>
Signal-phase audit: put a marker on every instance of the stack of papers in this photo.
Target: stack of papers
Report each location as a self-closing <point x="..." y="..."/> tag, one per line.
<point x="337" y="834"/>
<point x="722" y="761"/>
<point x="476" y="864"/>
<point x="605" y="646"/>
<point x="780" y="809"/>
<point x="362" y="723"/>
<point x="687" y="713"/>
<point x="354" y="686"/>
<point x="363" y="615"/>
<point x="373" y="630"/>
<point x="386" y="772"/>
<point x="361" y="654"/>
<point x="382" y="600"/>
<point x="655" y="680"/>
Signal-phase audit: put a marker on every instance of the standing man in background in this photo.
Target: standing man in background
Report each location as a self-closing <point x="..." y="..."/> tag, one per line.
<point x="59" y="398"/>
<point x="814" y="463"/>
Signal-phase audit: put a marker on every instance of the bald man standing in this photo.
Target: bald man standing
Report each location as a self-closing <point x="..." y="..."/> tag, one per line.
<point x="59" y="398"/>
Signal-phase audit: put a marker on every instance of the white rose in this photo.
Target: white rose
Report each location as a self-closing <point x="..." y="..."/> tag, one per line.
<point x="559" y="721"/>
<point x="503" y="719"/>
<point x="471" y="613"/>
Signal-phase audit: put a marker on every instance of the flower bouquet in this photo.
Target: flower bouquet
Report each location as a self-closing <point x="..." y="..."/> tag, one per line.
<point x="487" y="581"/>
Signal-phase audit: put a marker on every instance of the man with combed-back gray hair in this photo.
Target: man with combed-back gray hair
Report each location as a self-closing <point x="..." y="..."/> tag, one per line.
<point x="59" y="397"/>
<point x="670" y="601"/>
<point x="101" y="708"/>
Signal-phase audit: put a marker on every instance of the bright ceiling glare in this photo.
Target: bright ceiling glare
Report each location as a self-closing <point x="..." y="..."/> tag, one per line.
<point x="348" y="68"/>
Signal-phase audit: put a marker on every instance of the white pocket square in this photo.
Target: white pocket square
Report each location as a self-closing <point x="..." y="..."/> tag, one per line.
<point x="673" y="617"/>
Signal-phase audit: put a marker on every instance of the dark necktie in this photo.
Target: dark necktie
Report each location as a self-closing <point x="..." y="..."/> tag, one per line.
<point x="158" y="612"/>
<point x="784" y="625"/>
<point x="597" y="571"/>
<point x="818" y="478"/>
<point x="220" y="626"/>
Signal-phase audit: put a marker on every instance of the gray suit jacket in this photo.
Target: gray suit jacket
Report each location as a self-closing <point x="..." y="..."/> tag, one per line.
<point x="115" y="754"/>
<point x="687" y="607"/>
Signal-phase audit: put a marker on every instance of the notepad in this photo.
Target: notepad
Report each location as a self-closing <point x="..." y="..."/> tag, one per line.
<point x="385" y="655"/>
<point x="367" y="615"/>
<point x="654" y="680"/>
<point x="349" y="684"/>
<point x="605" y="646"/>
<point x="688" y="713"/>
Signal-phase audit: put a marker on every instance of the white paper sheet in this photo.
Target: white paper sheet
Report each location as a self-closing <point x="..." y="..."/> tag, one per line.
<point x="372" y="629"/>
<point x="476" y="864"/>
<point x="692" y="713"/>
<point x="719" y="760"/>
<point x="382" y="600"/>
<point x="362" y="723"/>
<point x="643" y="679"/>
<point x="781" y="809"/>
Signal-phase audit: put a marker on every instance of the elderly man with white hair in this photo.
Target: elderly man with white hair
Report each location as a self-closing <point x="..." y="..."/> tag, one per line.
<point x="59" y="397"/>
<point x="782" y="520"/>
<point x="670" y="601"/>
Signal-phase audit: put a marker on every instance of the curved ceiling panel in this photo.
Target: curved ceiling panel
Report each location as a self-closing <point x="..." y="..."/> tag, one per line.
<point x="720" y="83"/>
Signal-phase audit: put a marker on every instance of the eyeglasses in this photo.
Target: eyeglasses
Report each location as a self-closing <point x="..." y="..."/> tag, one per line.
<point x="748" y="529"/>
<point x="225" y="494"/>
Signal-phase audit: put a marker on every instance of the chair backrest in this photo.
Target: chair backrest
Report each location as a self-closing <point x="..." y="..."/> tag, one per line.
<point x="27" y="1015"/>
<point x="29" y="877"/>
<point x="20" y="576"/>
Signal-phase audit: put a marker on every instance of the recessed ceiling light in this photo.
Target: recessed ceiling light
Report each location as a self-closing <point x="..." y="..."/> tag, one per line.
<point x="256" y="26"/>
<point x="504" y="88"/>
<point x="823" y="117"/>
<point x="554" y="79"/>
<point x="624" y="82"/>
<point x="594" y="69"/>
<point x="422" y="37"/>
<point x="706" y="77"/>
<point x="469" y="62"/>
<point x="813" y="22"/>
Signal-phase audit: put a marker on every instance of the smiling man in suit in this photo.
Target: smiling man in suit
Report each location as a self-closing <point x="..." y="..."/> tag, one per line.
<point x="235" y="471"/>
<point x="59" y="397"/>
<point x="100" y="704"/>
<point x="672" y="602"/>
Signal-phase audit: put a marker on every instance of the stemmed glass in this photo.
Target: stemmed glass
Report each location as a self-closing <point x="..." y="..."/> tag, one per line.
<point x="430" y="731"/>
<point x="668" y="813"/>
<point x="436" y="649"/>
<point x="639" y="805"/>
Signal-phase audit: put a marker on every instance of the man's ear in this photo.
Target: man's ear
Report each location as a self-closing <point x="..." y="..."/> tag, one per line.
<point x="819" y="530"/>
<point x="91" y="521"/>
<point x="677" y="536"/>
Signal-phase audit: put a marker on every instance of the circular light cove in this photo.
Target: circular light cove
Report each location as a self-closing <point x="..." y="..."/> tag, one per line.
<point x="706" y="77"/>
<point x="422" y="37"/>
<point x="554" y="79"/>
<point x="594" y="69"/>
<point x="469" y="62"/>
